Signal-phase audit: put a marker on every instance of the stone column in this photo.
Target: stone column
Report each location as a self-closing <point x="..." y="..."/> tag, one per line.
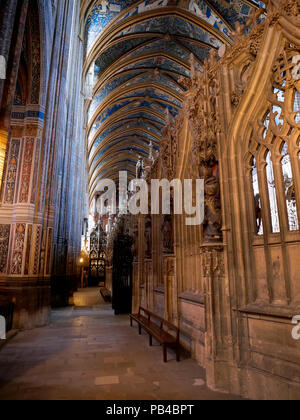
<point x="7" y="18"/>
<point x="9" y="89"/>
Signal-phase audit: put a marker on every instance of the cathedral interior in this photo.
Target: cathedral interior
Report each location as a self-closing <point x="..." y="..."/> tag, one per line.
<point x="157" y="90"/>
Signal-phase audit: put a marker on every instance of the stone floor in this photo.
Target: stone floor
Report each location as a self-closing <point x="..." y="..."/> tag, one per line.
<point x="88" y="353"/>
<point x="87" y="297"/>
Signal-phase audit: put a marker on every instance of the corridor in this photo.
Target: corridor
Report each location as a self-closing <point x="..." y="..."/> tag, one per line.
<point x="88" y="353"/>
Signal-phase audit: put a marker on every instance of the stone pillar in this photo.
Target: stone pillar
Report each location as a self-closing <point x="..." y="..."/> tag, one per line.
<point x="171" y="292"/>
<point x="12" y="73"/>
<point x="7" y="18"/>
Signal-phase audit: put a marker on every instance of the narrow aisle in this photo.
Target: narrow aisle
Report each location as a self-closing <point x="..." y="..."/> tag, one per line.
<point x="88" y="353"/>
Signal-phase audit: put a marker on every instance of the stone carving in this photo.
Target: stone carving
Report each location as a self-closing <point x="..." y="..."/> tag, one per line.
<point x="213" y="215"/>
<point x="169" y="266"/>
<point x="169" y="147"/>
<point x="291" y="8"/>
<point x="201" y="107"/>
<point x="167" y="235"/>
<point x="140" y="169"/>
<point x="213" y="262"/>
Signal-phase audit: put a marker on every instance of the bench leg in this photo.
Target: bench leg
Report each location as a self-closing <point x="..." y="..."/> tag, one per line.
<point x="140" y="330"/>
<point x="165" y="350"/>
<point x="131" y="322"/>
<point x="150" y="340"/>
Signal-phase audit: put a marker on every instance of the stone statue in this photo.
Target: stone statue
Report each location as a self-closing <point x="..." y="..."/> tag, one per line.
<point x="213" y="214"/>
<point x="167" y="235"/>
<point x="140" y="168"/>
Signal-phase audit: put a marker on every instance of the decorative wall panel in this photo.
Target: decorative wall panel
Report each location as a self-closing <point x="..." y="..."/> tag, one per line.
<point x="12" y="171"/>
<point x="36" y="260"/>
<point x="18" y="250"/>
<point x="4" y="243"/>
<point x="35" y="171"/>
<point x="28" y="248"/>
<point x="26" y="170"/>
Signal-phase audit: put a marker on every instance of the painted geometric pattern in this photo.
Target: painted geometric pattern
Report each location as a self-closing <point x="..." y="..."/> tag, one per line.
<point x="140" y="139"/>
<point x="148" y="76"/>
<point x="130" y="122"/>
<point x="35" y="173"/>
<point x="26" y="170"/>
<point x="175" y="26"/>
<point x="49" y="250"/>
<point x="28" y="247"/>
<point x="112" y="54"/>
<point x="197" y="7"/>
<point x="37" y="250"/>
<point x="101" y="15"/>
<point x="18" y="250"/>
<point x="234" y="10"/>
<point x="109" y="88"/>
<point x="162" y="45"/>
<point x="36" y="54"/>
<point x="161" y="62"/>
<point x="153" y="93"/>
<point x="4" y="243"/>
<point x="12" y="171"/>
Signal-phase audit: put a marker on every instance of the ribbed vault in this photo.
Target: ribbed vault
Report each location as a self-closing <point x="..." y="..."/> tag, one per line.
<point x="136" y="55"/>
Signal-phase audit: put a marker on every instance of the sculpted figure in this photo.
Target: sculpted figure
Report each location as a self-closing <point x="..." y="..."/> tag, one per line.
<point x="140" y="168"/>
<point x="167" y="235"/>
<point x="258" y="212"/>
<point x="213" y="214"/>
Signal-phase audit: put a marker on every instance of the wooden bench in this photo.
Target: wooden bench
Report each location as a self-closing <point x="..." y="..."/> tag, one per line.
<point x="158" y="328"/>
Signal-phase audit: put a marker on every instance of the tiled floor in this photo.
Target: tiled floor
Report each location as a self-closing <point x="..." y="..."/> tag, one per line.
<point x="88" y="353"/>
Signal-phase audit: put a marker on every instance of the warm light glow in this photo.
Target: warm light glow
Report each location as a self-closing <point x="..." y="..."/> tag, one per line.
<point x="81" y="260"/>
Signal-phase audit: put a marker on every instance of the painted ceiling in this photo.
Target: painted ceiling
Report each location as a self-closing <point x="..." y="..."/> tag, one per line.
<point x="136" y="52"/>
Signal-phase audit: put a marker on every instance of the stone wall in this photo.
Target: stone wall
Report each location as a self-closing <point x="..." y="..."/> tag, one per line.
<point x="232" y="284"/>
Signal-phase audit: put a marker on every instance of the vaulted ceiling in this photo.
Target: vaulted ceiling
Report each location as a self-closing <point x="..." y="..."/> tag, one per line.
<point x="136" y="51"/>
